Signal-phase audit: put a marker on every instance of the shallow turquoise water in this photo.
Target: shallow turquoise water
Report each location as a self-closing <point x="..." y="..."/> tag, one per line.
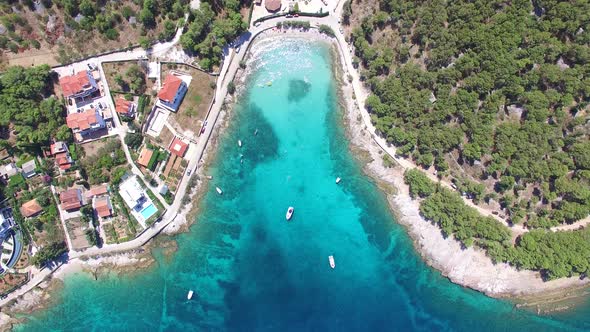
<point x="252" y="270"/>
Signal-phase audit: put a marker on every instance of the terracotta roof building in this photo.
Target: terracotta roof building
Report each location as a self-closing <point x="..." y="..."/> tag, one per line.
<point x="71" y="199"/>
<point x="60" y="151"/>
<point x="178" y="147"/>
<point x="103" y="207"/>
<point x="125" y="107"/>
<point x="85" y="122"/>
<point x="172" y="92"/>
<point x="79" y="85"/>
<point x="63" y="161"/>
<point x="272" y="5"/>
<point x="97" y="191"/>
<point x="30" y="208"/>
<point x="144" y="157"/>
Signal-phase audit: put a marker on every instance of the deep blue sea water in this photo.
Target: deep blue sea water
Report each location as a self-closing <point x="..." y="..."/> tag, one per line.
<point x="252" y="270"/>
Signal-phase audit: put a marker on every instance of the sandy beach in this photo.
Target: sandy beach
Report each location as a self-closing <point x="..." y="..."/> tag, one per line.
<point x="467" y="267"/>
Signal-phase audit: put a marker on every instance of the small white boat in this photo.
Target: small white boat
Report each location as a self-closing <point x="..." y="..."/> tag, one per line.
<point x="190" y="295"/>
<point x="290" y="211"/>
<point x="332" y="262"/>
<point x="256" y="132"/>
<point x="219" y="191"/>
<point x="239" y="143"/>
<point x="209" y="177"/>
<point x="338" y="180"/>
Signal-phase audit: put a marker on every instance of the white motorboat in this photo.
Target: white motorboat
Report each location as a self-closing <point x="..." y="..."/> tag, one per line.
<point x="190" y="295"/>
<point x="219" y="191"/>
<point x="332" y="262"/>
<point x="290" y="211"/>
<point x="338" y="180"/>
<point x="256" y="132"/>
<point x="239" y="143"/>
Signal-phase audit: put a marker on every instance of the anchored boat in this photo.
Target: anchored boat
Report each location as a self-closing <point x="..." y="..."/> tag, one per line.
<point x="290" y="211"/>
<point x="190" y="295"/>
<point x="338" y="180"/>
<point x="219" y="191"/>
<point x="332" y="262"/>
<point x="239" y="143"/>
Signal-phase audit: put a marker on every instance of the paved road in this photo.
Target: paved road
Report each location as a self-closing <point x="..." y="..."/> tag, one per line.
<point x="122" y="134"/>
<point x="226" y="75"/>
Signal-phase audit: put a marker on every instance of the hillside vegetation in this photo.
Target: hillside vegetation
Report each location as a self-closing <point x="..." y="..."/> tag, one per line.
<point x="499" y="88"/>
<point x="213" y="25"/>
<point x="553" y="254"/>
<point x="30" y="116"/>
<point x="70" y="29"/>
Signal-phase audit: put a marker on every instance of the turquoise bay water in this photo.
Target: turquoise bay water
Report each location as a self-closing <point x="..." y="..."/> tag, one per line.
<point x="252" y="270"/>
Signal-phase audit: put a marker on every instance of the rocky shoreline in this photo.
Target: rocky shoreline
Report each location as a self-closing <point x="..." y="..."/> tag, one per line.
<point x="467" y="267"/>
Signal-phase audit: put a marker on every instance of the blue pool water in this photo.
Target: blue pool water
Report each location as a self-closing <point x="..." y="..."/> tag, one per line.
<point x="253" y="271"/>
<point x="148" y="211"/>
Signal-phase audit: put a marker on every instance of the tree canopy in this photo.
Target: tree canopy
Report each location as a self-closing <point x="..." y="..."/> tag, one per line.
<point x="27" y="111"/>
<point x="554" y="254"/>
<point x="210" y="31"/>
<point x="504" y="86"/>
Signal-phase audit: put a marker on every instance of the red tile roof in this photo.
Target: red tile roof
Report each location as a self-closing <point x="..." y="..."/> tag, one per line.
<point x="144" y="157"/>
<point x="70" y="200"/>
<point x="102" y="207"/>
<point x="97" y="191"/>
<point x="62" y="158"/>
<point x="170" y="87"/>
<point x="30" y="208"/>
<point x="70" y="85"/>
<point x="178" y="147"/>
<point x="122" y="105"/>
<point x="82" y="120"/>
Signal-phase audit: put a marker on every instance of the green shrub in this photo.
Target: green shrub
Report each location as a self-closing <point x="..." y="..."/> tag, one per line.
<point x="49" y="253"/>
<point x="153" y="161"/>
<point x="327" y="30"/>
<point x="420" y="184"/>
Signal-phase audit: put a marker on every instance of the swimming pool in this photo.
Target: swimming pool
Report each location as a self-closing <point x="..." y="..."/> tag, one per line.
<point x="148" y="211"/>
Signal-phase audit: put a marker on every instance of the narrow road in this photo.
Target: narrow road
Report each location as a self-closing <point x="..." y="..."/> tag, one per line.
<point x="122" y="133"/>
<point x="226" y="75"/>
<point x="361" y="94"/>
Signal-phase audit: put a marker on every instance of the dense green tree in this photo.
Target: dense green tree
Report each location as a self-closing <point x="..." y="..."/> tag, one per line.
<point x="35" y="118"/>
<point x="49" y="253"/>
<point x="136" y="79"/>
<point x="493" y="84"/>
<point x="134" y="140"/>
<point x="208" y="34"/>
<point x="147" y="18"/>
<point x="87" y="7"/>
<point x="419" y="183"/>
